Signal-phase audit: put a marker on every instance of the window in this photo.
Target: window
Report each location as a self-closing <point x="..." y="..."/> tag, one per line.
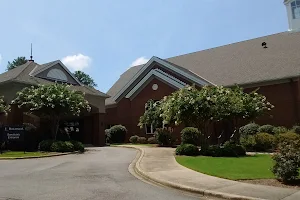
<point x="57" y="74"/>
<point x="296" y="9"/>
<point x="149" y="128"/>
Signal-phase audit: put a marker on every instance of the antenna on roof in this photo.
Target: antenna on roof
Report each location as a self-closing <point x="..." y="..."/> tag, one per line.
<point x="264" y="44"/>
<point x="31" y="54"/>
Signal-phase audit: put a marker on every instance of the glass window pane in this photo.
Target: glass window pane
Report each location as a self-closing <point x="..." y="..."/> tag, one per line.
<point x="298" y="3"/>
<point x="293" y="4"/>
<point x="297" y="13"/>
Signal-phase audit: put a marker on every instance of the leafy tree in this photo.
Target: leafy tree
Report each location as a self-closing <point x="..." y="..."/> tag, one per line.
<point x="3" y="106"/>
<point x="85" y="79"/>
<point x="16" y="62"/>
<point x="53" y="102"/>
<point x="152" y="115"/>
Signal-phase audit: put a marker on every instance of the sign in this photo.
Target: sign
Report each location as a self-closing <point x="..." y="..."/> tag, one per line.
<point x="13" y="133"/>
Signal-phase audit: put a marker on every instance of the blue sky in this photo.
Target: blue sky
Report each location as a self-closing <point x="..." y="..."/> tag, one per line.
<point x="104" y="38"/>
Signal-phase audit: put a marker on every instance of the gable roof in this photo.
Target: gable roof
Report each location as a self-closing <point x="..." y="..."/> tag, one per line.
<point x="242" y="63"/>
<point x="23" y="74"/>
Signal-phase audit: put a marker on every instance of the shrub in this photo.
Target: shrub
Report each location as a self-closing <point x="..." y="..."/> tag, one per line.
<point x="164" y="137"/>
<point x="248" y="142"/>
<point x="264" y="141"/>
<point x="190" y="135"/>
<point x="117" y="134"/>
<point x="133" y="139"/>
<point x="60" y="146"/>
<point x="280" y="129"/>
<point x="68" y="147"/>
<point x="107" y="135"/>
<point x="233" y="150"/>
<point x="152" y="140"/>
<point x="249" y="129"/>
<point x="78" y="146"/>
<point x="142" y="140"/>
<point x="296" y="129"/>
<point x="287" y="137"/>
<point x="287" y="161"/>
<point x="45" y="145"/>
<point x="266" y="129"/>
<point x="187" y="150"/>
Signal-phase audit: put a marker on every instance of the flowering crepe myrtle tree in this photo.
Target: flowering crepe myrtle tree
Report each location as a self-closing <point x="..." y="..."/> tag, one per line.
<point x="152" y="115"/>
<point x="4" y="108"/>
<point x="199" y="108"/>
<point x="53" y="102"/>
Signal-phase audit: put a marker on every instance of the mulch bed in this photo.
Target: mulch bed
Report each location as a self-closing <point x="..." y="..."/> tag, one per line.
<point x="273" y="182"/>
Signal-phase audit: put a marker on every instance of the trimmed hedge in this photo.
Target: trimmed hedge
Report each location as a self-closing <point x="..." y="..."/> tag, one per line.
<point x="280" y="129"/>
<point x="117" y="134"/>
<point x="45" y="145"/>
<point x="142" y="140"/>
<point x="78" y="146"/>
<point x="190" y="135"/>
<point x="287" y="137"/>
<point x="264" y="142"/>
<point x="187" y="150"/>
<point x="164" y="137"/>
<point x="134" y="139"/>
<point x="227" y="150"/>
<point x="249" y="129"/>
<point x="152" y="140"/>
<point x="296" y="129"/>
<point x="266" y="129"/>
<point x="248" y="142"/>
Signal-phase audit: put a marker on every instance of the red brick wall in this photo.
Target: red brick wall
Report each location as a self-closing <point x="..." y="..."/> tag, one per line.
<point x="285" y="97"/>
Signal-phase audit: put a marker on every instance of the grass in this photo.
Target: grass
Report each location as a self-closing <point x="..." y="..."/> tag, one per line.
<point x="19" y="154"/>
<point x="249" y="167"/>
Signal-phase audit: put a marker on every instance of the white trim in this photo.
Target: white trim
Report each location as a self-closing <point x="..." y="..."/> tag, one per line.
<point x="199" y="81"/>
<point x="157" y="73"/>
<point x="33" y="72"/>
<point x="152" y="132"/>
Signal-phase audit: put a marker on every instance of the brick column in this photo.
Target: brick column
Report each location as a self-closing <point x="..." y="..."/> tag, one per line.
<point x="98" y="129"/>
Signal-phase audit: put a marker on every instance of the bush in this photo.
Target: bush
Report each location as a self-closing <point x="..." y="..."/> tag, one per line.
<point x="152" y="140"/>
<point x="142" y="140"/>
<point x="296" y="129"/>
<point x="227" y="150"/>
<point x="248" y="142"/>
<point x="117" y="134"/>
<point x="264" y="142"/>
<point x="187" y="150"/>
<point x="134" y="139"/>
<point x="280" y="129"/>
<point x="249" y="129"/>
<point x="287" y="161"/>
<point x="60" y="146"/>
<point x="164" y="137"/>
<point x="45" y="145"/>
<point x="266" y="129"/>
<point x="78" y="146"/>
<point x="287" y="137"/>
<point x="190" y="135"/>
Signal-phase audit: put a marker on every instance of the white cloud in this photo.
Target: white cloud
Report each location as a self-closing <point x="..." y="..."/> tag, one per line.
<point x="139" y="61"/>
<point x="77" y="62"/>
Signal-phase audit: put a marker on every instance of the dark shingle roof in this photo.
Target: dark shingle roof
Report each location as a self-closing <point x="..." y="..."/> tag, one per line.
<point x="21" y="74"/>
<point x="240" y="63"/>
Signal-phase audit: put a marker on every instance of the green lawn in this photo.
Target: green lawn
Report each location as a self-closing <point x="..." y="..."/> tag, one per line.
<point x="249" y="167"/>
<point x="16" y="154"/>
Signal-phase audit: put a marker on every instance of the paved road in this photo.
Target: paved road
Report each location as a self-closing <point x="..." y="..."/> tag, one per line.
<point x="101" y="173"/>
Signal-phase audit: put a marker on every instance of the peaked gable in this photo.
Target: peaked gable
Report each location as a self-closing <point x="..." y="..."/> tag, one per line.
<point x="54" y="71"/>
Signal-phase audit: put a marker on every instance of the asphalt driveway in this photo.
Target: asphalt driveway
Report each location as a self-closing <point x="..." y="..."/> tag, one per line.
<point x="101" y="173"/>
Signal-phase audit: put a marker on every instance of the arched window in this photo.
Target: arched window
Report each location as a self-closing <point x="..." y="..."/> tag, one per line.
<point x="57" y="74"/>
<point x="296" y="9"/>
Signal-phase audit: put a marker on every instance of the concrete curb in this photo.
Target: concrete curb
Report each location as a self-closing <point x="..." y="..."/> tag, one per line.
<point x="208" y="193"/>
<point x="34" y="157"/>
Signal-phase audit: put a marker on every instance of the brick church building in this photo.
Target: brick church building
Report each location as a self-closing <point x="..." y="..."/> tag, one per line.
<point x="270" y="63"/>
